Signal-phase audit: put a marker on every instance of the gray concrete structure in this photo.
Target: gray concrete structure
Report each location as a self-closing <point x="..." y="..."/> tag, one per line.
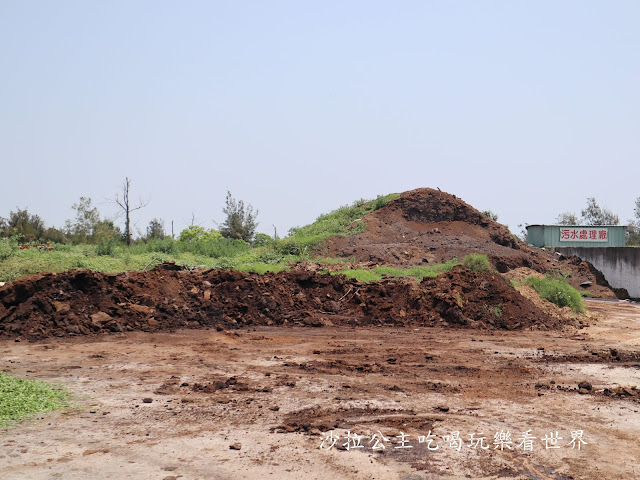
<point x="619" y="265"/>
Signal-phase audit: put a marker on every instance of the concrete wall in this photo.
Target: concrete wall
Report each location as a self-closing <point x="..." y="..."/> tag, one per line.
<point x="619" y="265"/>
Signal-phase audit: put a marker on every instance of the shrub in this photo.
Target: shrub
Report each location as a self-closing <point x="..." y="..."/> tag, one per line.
<point x="262" y="240"/>
<point x="297" y="246"/>
<point x="558" y="292"/>
<point x="477" y="262"/>
<point x="105" y="247"/>
<point x="196" y="233"/>
<point x="8" y="247"/>
<point x="218" y="248"/>
<point x="382" y="200"/>
<point x="165" y="245"/>
<point x="270" y="256"/>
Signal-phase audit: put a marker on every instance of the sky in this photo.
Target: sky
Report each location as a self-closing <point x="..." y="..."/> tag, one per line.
<point x="299" y="107"/>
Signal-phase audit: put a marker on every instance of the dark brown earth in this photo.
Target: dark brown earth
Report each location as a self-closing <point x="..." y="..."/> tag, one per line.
<point x="426" y="226"/>
<point x="83" y="302"/>
<point x="259" y="402"/>
<point x="420" y="227"/>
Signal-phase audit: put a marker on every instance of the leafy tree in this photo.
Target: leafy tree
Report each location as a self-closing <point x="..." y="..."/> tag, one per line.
<point x="592" y="215"/>
<point x="156" y="229"/>
<point x="29" y="227"/>
<point x="240" y="222"/>
<point x="87" y="217"/>
<point x="106" y="230"/>
<point x="595" y="215"/>
<point x="262" y="240"/>
<point x="196" y="233"/>
<point x="52" y="234"/>
<point x="633" y="229"/>
<point x="567" y="218"/>
<point x="633" y="234"/>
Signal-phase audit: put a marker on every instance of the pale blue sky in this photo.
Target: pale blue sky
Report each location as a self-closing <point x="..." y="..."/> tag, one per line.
<point x="297" y="107"/>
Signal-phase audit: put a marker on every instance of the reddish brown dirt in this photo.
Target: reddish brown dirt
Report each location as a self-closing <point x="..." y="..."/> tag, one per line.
<point x="426" y="226"/>
<point x="85" y="302"/>
<point x="257" y="402"/>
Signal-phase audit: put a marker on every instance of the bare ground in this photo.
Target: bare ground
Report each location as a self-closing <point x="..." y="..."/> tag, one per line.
<point x="272" y="392"/>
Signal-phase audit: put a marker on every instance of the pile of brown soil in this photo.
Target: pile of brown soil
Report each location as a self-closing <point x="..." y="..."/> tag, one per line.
<point x="82" y="302"/>
<point x="564" y="314"/>
<point x="426" y="226"/>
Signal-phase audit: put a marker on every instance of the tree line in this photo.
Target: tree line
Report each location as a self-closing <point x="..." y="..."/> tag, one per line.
<point x="89" y="227"/>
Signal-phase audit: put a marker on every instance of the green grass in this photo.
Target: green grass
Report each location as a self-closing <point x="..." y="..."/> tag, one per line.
<point x="378" y="273"/>
<point x="20" y="399"/>
<point x="558" y="292"/>
<point x="66" y="257"/>
<point x="586" y="294"/>
<point x="333" y="261"/>
<point x="478" y="262"/>
<point x="339" y="222"/>
<point x="361" y="274"/>
<point x="427" y="271"/>
<point x="109" y="256"/>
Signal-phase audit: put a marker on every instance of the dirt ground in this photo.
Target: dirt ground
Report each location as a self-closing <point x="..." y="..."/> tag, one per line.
<point x="258" y="402"/>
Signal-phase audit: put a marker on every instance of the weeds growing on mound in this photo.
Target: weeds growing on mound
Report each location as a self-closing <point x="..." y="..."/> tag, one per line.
<point x="208" y="249"/>
<point x="338" y="222"/>
<point x="475" y="262"/>
<point x="478" y="262"/>
<point x="557" y="291"/>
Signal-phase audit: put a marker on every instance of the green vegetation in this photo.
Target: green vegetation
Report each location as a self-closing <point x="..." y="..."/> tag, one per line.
<point x="8" y="247"/>
<point x="361" y="274"/>
<point x="557" y="291"/>
<point x="196" y="246"/>
<point x="240" y="222"/>
<point x="378" y="273"/>
<point x="341" y="221"/>
<point x="418" y="272"/>
<point x="113" y="257"/>
<point x="19" y="399"/>
<point x="478" y="262"/>
<point x="333" y="261"/>
<point x="491" y="214"/>
<point x="475" y="262"/>
<point x="496" y="310"/>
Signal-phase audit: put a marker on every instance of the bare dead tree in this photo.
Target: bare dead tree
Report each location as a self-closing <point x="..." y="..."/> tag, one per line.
<point x="125" y="204"/>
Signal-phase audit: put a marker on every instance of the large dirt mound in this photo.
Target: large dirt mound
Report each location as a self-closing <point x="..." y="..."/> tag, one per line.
<point x="84" y="302"/>
<point x="426" y="226"/>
